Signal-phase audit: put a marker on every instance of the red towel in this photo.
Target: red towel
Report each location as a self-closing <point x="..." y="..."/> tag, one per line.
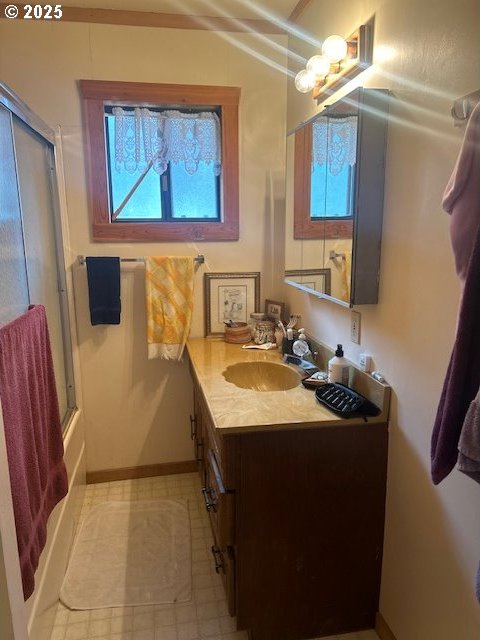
<point x="32" y="432"/>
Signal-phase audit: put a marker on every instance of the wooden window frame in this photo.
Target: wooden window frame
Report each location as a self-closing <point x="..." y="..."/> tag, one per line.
<point x="96" y="94"/>
<point x="305" y="227"/>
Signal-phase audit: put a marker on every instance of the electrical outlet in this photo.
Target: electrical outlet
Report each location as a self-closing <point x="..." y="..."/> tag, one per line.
<point x="355" y="327"/>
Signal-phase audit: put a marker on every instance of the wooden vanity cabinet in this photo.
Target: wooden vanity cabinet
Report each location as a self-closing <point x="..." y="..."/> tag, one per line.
<point x="298" y="525"/>
<point x="216" y="469"/>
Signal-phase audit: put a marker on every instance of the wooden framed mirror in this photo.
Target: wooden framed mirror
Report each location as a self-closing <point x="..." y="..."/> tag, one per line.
<point x="334" y="198"/>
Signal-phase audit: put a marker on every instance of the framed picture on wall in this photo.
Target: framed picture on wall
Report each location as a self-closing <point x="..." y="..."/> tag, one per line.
<point x="275" y="310"/>
<point x="229" y="297"/>
<point x="316" y="279"/>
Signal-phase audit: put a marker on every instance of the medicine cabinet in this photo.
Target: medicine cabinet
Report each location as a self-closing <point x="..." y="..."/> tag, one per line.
<point x="334" y="199"/>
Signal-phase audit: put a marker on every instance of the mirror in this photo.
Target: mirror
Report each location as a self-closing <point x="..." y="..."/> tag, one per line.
<point x="334" y="199"/>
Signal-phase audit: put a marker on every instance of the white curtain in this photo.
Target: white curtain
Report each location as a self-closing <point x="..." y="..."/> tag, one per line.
<point x="146" y="138"/>
<point x="334" y="142"/>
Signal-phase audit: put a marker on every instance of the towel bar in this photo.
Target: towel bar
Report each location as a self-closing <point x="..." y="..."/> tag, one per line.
<point x="333" y="255"/>
<point x="463" y="107"/>
<point x="200" y="259"/>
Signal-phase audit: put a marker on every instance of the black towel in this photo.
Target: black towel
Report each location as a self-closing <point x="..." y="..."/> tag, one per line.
<point x="104" y="290"/>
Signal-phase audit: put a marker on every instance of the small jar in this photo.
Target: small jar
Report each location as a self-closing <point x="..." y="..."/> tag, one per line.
<point x="264" y="332"/>
<point x="254" y="318"/>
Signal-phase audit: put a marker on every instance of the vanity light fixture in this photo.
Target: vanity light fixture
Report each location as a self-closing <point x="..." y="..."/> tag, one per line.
<point x="340" y="61"/>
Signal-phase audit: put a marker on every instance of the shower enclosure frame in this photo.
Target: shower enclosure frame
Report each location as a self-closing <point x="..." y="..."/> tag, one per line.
<point x="15" y="616"/>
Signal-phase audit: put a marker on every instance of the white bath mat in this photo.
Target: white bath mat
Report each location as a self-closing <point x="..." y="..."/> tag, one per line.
<point x="130" y="553"/>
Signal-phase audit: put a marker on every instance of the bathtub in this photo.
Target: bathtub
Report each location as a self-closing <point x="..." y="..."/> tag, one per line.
<point x="42" y="604"/>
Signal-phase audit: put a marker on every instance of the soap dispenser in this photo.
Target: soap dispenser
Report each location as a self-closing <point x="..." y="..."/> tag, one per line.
<point x="338" y="367"/>
<point x="300" y="346"/>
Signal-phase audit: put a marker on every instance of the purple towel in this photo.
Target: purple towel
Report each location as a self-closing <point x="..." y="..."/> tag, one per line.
<point x="462" y="196"/>
<point x="463" y="375"/>
<point x="462" y="381"/>
<point x="32" y="432"/>
<point x="469" y="443"/>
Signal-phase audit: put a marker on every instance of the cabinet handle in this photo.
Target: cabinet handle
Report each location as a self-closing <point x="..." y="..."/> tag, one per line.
<point x="198" y="448"/>
<point x="193" y="427"/>
<point x="209" y="497"/>
<point x="219" y="565"/>
<point x="216" y="472"/>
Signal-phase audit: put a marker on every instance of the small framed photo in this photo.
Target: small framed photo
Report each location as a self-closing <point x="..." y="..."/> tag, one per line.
<point x="229" y="297"/>
<point x="275" y="310"/>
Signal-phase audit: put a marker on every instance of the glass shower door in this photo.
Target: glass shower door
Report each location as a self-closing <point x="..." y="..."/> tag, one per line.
<point x="34" y="166"/>
<point x="32" y="266"/>
<point x="14" y="298"/>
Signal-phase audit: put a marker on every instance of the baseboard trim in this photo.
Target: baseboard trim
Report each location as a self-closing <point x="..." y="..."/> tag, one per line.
<point x="147" y="471"/>
<point x="382" y="629"/>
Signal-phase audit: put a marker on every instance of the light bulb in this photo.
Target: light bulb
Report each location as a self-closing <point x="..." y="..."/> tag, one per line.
<point x="304" y="81"/>
<point x="318" y="66"/>
<point x="334" y="48"/>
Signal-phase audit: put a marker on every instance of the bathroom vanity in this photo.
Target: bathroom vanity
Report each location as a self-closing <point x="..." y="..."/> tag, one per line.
<point x="295" y="495"/>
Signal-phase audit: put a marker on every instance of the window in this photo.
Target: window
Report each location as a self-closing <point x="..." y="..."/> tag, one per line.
<point x="162" y="161"/>
<point x="163" y="164"/>
<point x="334" y="156"/>
<point x="331" y="196"/>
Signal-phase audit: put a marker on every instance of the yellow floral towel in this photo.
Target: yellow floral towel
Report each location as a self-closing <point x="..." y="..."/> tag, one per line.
<point x="169" y="300"/>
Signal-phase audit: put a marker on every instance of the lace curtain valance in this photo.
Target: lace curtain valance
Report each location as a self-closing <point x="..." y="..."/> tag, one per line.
<point x="334" y="142"/>
<point x="145" y="138"/>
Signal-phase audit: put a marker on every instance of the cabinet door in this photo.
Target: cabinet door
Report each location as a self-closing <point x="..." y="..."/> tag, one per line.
<point x="310" y="507"/>
<point x="224" y="561"/>
<point x="219" y="503"/>
<point x="197" y="433"/>
<point x="222" y="447"/>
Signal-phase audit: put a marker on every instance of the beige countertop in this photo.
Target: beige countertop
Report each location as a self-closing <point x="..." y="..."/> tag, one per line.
<point x="237" y="410"/>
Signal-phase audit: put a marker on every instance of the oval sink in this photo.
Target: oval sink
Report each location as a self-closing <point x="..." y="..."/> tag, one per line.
<point x="262" y="376"/>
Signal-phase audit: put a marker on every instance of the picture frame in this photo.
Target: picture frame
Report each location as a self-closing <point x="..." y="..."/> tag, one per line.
<point x="229" y="296"/>
<point x="275" y="309"/>
<point x="316" y="279"/>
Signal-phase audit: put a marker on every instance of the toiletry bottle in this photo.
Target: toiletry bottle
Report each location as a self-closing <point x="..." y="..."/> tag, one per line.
<point x="280" y="333"/>
<point x="338" y="367"/>
<point x="288" y="342"/>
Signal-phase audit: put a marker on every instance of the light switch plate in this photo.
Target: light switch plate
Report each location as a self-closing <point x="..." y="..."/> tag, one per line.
<point x="355" y="327"/>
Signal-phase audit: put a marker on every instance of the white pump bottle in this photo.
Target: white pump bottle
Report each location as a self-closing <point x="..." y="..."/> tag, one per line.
<point x="338" y="367"/>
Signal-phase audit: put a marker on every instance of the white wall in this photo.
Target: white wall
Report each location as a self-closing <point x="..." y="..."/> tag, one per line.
<point x="432" y="543"/>
<point x="136" y="411"/>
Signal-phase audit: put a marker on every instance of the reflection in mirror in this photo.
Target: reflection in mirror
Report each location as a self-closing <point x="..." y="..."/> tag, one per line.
<point x="326" y="202"/>
<point x="334" y="155"/>
<point x="314" y="279"/>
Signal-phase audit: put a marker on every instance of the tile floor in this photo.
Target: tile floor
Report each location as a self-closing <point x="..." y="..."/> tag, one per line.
<point x="205" y="617"/>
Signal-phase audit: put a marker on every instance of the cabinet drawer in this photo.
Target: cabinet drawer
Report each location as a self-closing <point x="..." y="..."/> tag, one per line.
<point x="218" y="502"/>
<point x="224" y="561"/>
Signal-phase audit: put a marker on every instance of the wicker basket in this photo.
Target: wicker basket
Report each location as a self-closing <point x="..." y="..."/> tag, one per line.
<point x="238" y="334"/>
